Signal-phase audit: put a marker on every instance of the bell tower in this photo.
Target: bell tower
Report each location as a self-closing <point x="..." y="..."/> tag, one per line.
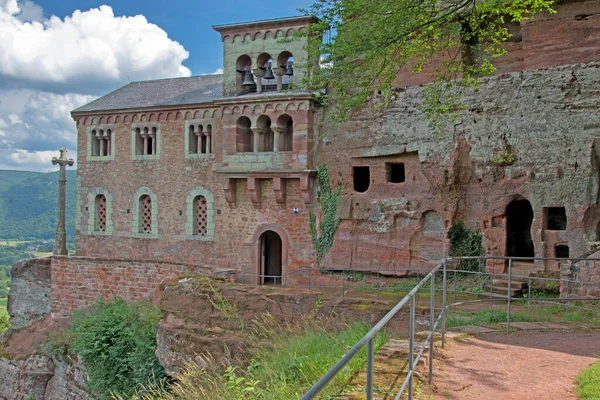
<point x="257" y="60"/>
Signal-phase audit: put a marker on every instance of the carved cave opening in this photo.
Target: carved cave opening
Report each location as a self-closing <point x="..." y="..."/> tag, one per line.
<point x="561" y="251"/>
<point x="519" y="217"/>
<point x="395" y="172"/>
<point x="556" y="218"/>
<point x="361" y="177"/>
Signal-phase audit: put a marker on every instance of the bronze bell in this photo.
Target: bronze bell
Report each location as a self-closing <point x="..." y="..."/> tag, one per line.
<point x="269" y="74"/>
<point x="289" y="70"/>
<point x="248" y="79"/>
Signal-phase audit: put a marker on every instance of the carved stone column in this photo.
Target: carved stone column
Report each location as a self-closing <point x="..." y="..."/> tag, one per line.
<point x="279" y="72"/>
<point x="256" y="132"/>
<point x="100" y="137"/>
<point x="145" y="137"/>
<point x="153" y="136"/>
<point x="277" y="137"/>
<point x="258" y="73"/>
<point x="60" y="245"/>
<point x="107" y="139"/>
<point x="208" y="149"/>
<point x="198" y="134"/>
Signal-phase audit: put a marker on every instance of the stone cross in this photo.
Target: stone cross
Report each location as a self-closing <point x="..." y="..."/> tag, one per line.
<point x="60" y="246"/>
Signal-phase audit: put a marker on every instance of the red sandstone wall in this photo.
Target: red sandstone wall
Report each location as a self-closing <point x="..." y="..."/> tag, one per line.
<point x="568" y="37"/>
<point x="173" y="176"/>
<point x="78" y="282"/>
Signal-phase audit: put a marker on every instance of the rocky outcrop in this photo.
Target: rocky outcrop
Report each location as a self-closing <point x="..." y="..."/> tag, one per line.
<point x="206" y="316"/>
<point x="29" y="298"/>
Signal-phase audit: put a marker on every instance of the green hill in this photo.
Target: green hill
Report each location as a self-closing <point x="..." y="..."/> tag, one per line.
<point x="28" y="204"/>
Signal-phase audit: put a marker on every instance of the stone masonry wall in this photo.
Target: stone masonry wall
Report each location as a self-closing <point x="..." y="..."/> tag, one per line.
<point x="584" y="276"/>
<point x="78" y="282"/>
<point x="174" y="175"/>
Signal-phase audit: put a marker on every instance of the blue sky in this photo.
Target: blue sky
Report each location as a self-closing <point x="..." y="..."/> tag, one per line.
<point x="58" y="55"/>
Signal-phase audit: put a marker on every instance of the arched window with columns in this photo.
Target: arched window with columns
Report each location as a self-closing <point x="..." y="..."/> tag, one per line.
<point x="284" y="133"/>
<point x="263" y="135"/>
<point x="145" y="141"/>
<point x="199" y="143"/>
<point x="243" y="135"/>
<point x="100" y="142"/>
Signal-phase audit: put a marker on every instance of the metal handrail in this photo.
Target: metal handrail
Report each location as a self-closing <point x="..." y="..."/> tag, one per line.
<point x="409" y="298"/>
<point x="368" y="339"/>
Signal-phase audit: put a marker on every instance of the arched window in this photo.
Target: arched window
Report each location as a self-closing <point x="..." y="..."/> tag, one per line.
<point x="285" y="125"/>
<point x="265" y="63"/>
<point x="100" y="213"/>
<point x="285" y="60"/>
<point x="145" y="142"/>
<point x="200" y="215"/>
<point x="243" y="136"/>
<point x="99" y="207"/>
<point x="145" y="214"/>
<point x="245" y="79"/>
<point x="265" y="139"/>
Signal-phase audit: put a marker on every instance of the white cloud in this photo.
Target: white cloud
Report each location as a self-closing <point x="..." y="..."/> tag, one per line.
<point x="31" y="137"/>
<point x="19" y="159"/>
<point x="87" y="51"/>
<point x="219" y="71"/>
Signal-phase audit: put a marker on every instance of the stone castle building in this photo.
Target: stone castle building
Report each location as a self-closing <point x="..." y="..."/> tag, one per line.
<point x="218" y="171"/>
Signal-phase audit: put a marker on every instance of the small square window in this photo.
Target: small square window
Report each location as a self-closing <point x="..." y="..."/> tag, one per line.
<point x="561" y="251"/>
<point x="556" y="218"/>
<point x="395" y="172"/>
<point x="362" y="179"/>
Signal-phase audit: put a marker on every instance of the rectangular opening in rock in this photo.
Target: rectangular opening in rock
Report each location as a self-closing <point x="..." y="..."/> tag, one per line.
<point x="395" y="172"/>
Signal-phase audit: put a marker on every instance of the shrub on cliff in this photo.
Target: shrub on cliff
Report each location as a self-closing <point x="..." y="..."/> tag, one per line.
<point x="465" y="242"/>
<point x="116" y="341"/>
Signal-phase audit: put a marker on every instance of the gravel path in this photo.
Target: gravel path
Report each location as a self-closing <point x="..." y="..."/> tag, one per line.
<point x="526" y="365"/>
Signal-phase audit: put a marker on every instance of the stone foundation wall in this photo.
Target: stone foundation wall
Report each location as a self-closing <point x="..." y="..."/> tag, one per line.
<point x="584" y="277"/>
<point x="78" y="282"/>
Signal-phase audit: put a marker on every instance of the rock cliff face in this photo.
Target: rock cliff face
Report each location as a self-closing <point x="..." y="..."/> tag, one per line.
<point x="202" y="316"/>
<point x="25" y="372"/>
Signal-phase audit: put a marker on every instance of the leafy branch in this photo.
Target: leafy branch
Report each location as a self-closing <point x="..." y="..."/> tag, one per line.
<point x="374" y="42"/>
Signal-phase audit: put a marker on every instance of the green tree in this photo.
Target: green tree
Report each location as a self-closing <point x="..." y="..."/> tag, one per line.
<point x="372" y="41"/>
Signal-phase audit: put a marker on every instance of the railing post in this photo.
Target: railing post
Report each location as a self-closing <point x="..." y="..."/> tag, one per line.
<point x="431" y="322"/>
<point x="378" y="288"/>
<point x="444" y="284"/>
<point x="454" y="286"/>
<point x="370" y="355"/>
<point x="411" y="346"/>
<point x="343" y="281"/>
<point x="509" y="295"/>
<point x="309" y="269"/>
<point x="492" y="285"/>
<point x="529" y="295"/>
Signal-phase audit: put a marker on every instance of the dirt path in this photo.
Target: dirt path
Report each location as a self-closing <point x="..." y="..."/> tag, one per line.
<point x="526" y="365"/>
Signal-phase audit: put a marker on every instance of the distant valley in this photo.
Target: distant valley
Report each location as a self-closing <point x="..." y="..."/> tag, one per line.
<point x="28" y="203"/>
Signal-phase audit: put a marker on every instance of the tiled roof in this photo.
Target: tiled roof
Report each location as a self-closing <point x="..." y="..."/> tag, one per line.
<point x="161" y="92"/>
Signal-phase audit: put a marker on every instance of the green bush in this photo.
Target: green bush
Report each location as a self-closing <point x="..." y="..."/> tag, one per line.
<point x="465" y="242"/>
<point x="4" y="323"/>
<point x="116" y="342"/>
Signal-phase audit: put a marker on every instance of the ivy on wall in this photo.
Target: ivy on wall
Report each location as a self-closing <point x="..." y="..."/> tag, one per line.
<point x="328" y="201"/>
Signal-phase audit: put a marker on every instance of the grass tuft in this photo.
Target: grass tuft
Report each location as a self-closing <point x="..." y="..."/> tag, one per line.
<point x="588" y="383"/>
